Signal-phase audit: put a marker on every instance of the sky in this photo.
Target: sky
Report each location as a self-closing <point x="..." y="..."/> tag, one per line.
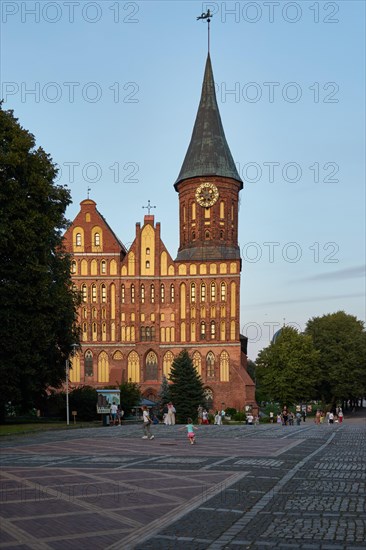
<point x="110" y="89"/>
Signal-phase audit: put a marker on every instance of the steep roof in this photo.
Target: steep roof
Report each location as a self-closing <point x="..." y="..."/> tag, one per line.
<point x="208" y="153"/>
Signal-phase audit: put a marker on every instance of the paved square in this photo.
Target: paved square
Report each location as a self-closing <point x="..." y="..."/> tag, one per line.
<point x="262" y="487"/>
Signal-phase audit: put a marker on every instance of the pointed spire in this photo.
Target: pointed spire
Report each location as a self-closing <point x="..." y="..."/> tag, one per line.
<point x="208" y="153"/>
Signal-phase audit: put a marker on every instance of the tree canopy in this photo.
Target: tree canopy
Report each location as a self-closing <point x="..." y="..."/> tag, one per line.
<point x="288" y="369"/>
<point x="130" y="396"/>
<point x="186" y="391"/>
<point x="37" y="303"/>
<point x="341" y="342"/>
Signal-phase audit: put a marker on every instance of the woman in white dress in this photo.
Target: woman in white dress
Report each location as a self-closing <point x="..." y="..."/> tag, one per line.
<point x="170" y="419"/>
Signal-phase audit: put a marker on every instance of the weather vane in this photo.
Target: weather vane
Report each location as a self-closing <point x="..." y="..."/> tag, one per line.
<point x="149" y="207"/>
<point x="89" y="189"/>
<point x="207" y="16"/>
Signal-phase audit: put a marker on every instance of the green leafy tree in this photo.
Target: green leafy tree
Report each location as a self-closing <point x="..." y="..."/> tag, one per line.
<point x="37" y="303"/>
<point x="130" y="396"/>
<point x="251" y="366"/>
<point x="186" y="390"/>
<point x="341" y="341"/>
<point x="164" y="392"/>
<point x="84" y="401"/>
<point x="288" y="369"/>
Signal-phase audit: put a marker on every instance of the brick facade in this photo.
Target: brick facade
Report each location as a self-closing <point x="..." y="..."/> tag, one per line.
<point x="143" y="301"/>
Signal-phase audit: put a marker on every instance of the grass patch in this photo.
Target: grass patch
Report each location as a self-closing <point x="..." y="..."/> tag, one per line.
<point x="21" y="429"/>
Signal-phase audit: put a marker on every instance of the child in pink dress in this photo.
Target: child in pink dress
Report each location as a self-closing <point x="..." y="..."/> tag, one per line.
<point x="190" y="431"/>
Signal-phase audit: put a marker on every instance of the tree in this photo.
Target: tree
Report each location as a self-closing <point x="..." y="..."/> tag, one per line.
<point x="164" y="392"/>
<point x="84" y="400"/>
<point x="130" y="396"/>
<point x="186" y="390"/>
<point x="341" y="341"/>
<point x="37" y="303"/>
<point x="288" y="369"/>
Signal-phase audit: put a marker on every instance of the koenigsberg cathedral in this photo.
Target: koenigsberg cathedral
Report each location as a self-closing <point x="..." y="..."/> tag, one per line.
<point x="140" y="307"/>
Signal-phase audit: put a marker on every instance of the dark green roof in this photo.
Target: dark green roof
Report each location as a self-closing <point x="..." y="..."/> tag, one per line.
<point x="208" y="153"/>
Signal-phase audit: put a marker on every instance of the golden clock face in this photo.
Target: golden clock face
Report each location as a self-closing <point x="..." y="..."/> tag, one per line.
<point x="207" y="194"/>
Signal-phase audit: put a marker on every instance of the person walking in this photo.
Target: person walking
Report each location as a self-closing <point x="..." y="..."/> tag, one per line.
<point x="298" y="418"/>
<point x="113" y="413"/>
<point x="340" y="415"/>
<point x="146" y="424"/>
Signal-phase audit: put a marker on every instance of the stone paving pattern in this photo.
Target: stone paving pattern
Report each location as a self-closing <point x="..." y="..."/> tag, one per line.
<point x="252" y="487"/>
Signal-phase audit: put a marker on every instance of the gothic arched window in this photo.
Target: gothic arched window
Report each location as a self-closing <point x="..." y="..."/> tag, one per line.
<point x="213" y="292"/>
<point x="210" y="365"/>
<point x="223" y="292"/>
<point x="193" y="292"/>
<point x="151" y="370"/>
<point x="197" y="362"/>
<point x="224" y="367"/>
<point x="88" y="363"/>
<point x="208" y="398"/>
<point x="133" y="367"/>
<point x="212" y="330"/>
<point x="84" y="293"/>
<point x="203" y="292"/>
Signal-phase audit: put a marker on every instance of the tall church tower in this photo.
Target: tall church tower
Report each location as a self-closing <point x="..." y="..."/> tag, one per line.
<point x="208" y="185"/>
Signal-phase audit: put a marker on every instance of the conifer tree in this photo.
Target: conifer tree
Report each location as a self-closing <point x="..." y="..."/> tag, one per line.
<point x="164" y="392"/>
<point x="186" y="392"/>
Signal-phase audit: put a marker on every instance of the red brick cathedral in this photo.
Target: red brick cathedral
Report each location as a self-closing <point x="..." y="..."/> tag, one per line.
<point x="140" y="307"/>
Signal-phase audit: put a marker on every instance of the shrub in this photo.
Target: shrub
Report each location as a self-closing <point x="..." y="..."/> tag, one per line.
<point x="239" y="416"/>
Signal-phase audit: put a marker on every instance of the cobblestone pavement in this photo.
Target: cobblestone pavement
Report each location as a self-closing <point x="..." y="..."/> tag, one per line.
<point x="250" y="487"/>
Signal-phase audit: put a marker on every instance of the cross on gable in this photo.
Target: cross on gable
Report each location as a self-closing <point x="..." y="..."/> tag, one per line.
<point x="149" y="207"/>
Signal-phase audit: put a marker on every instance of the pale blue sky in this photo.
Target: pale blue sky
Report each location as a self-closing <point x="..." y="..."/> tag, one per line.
<point x="123" y="92"/>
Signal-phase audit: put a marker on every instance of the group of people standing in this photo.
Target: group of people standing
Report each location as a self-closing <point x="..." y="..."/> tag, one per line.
<point x="202" y="415"/>
<point x="169" y="414"/>
<point x="116" y="415"/>
<point x="330" y="417"/>
<point x="288" y="418"/>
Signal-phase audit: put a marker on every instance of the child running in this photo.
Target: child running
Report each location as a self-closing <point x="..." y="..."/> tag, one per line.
<point x="190" y="431"/>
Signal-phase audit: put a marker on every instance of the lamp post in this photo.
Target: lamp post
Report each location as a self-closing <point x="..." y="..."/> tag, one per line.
<point x="67" y="392"/>
<point x="74" y="346"/>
